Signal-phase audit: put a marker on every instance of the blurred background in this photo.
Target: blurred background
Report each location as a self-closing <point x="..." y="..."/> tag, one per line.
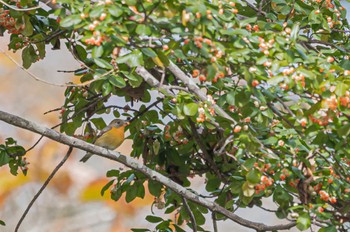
<point x="72" y="202"/>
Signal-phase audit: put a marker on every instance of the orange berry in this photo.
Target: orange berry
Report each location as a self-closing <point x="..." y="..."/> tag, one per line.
<point x="195" y="73"/>
<point x="103" y="16"/>
<point x="333" y="200"/>
<point x="234" y="10"/>
<point x="330" y="59"/>
<point x="202" y="78"/>
<point x="282" y="177"/>
<point x="165" y="47"/>
<point x="237" y="129"/>
<point x="255" y="83"/>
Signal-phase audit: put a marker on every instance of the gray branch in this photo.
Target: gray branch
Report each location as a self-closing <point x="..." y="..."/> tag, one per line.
<point x="179" y="74"/>
<point x="137" y="166"/>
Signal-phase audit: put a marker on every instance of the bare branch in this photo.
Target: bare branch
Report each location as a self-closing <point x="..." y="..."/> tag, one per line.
<point x="43" y="187"/>
<point x="24" y="9"/>
<point x="137" y="166"/>
<point x="215" y="226"/>
<point x="32" y="75"/>
<point x="189" y="211"/>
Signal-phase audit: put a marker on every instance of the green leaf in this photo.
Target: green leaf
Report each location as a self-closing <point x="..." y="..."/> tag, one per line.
<point x="140" y="230"/>
<point x="154" y="219"/>
<point x="328" y="229"/>
<point x="230" y="98"/>
<point x="213" y="184"/>
<point x="116" y="194"/>
<point x="97" y="51"/>
<point x="117" y="81"/>
<point x="131" y="2"/>
<point x="70" y="21"/>
<point x="148" y="52"/>
<point x="80" y="51"/>
<point x="303" y="221"/>
<point x="106" y="187"/>
<point x="28" y="56"/>
<point x="115" y="11"/>
<point x="4" y="158"/>
<point x="106" y="88"/>
<point x="155" y="188"/>
<point x="248" y="189"/>
<point x="2" y="223"/>
<point x="253" y="176"/>
<point x="282" y="197"/>
<point x="28" y="27"/>
<point x="143" y="30"/>
<point x="163" y="58"/>
<point x="96" y="11"/>
<point x="140" y="191"/>
<point x="113" y="173"/>
<point x="133" y="59"/>
<point x="344" y="130"/>
<point x="103" y="63"/>
<point x="341" y="88"/>
<point x="131" y="194"/>
<point x="99" y="123"/>
<point x="190" y="109"/>
<point x="345" y="64"/>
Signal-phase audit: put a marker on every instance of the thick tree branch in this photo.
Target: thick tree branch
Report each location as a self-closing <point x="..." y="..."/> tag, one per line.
<point x="137" y="166"/>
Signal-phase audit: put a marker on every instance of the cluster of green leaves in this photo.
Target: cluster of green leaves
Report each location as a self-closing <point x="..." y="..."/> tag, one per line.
<point x="12" y="154"/>
<point x="280" y="69"/>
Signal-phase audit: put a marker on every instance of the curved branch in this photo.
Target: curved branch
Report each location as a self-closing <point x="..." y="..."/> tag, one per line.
<point x="137" y="166"/>
<point x="43" y="187"/>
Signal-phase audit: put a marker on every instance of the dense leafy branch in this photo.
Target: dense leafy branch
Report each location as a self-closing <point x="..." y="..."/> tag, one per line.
<point x="134" y="164"/>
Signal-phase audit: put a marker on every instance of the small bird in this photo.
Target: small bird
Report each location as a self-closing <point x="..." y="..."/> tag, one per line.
<point x="110" y="137"/>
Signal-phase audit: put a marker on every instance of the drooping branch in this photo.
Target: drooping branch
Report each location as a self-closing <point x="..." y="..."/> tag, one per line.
<point x="36" y="196"/>
<point x="137" y="166"/>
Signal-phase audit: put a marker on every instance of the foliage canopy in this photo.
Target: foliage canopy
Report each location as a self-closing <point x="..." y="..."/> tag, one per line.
<point x="274" y="119"/>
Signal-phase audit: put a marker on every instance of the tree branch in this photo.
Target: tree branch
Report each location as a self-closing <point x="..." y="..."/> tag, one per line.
<point x="43" y="187"/>
<point x="137" y="166"/>
<point x="196" y="90"/>
<point x="192" y="218"/>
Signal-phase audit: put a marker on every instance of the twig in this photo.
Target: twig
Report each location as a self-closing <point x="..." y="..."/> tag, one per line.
<point x="145" y="110"/>
<point x="189" y="211"/>
<point x="254" y="8"/>
<point x="139" y="167"/>
<point x="268" y="210"/>
<point x="285" y="106"/>
<point x="215" y="225"/>
<point x="175" y="87"/>
<point x="43" y="187"/>
<point x="271" y="106"/>
<point x="46" y="82"/>
<point x="23" y="9"/>
<point x="203" y="148"/>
